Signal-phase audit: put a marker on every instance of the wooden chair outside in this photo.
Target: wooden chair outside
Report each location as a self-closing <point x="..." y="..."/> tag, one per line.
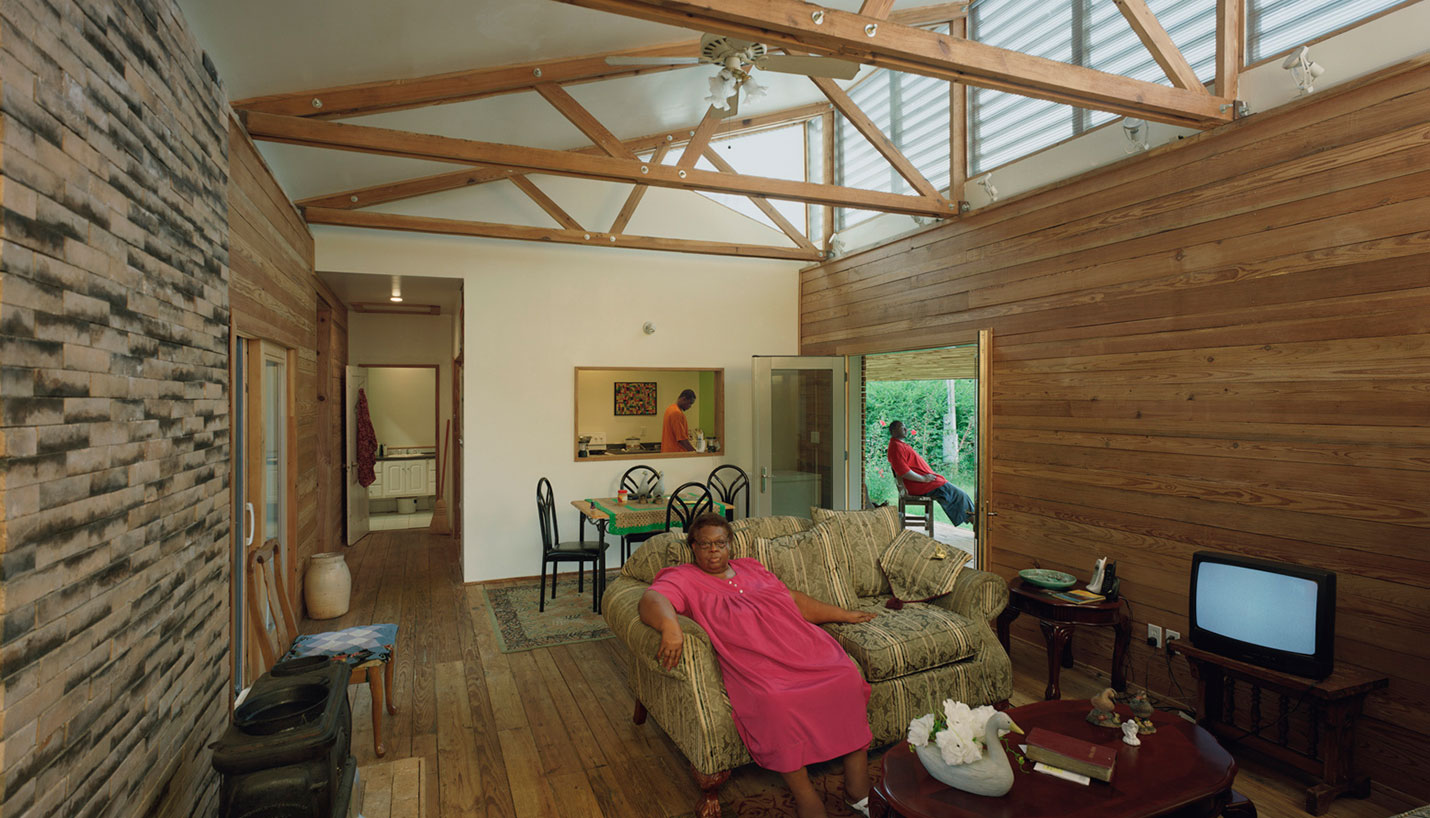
<point x="273" y="625"/>
<point x="726" y="483"/>
<point x="686" y="503"/>
<point x="909" y="502"/>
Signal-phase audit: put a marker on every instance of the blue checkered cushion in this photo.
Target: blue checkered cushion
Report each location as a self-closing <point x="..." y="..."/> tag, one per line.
<point x="347" y="644"/>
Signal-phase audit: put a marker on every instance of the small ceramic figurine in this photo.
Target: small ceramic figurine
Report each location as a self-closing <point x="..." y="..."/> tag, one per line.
<point x="1142" y="713"/>
<point x="1129" y="734"/>
<point x="1103" y="714"/>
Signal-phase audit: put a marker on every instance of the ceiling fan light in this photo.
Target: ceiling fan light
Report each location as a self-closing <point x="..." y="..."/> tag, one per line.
<point x="722" y="87"/>
<point x="753" y="90"/>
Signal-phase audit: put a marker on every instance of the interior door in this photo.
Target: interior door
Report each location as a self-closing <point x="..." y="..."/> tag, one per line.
<point x="358" y="522"/>
<point x="801" y="447"/>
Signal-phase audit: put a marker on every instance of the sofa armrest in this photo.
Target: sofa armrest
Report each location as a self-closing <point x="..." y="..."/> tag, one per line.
<point x="978" y="595"/>
<point x="621" y="609"/>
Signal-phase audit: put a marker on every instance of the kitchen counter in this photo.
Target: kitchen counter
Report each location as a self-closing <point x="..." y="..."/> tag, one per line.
<point x="407" y="457"/>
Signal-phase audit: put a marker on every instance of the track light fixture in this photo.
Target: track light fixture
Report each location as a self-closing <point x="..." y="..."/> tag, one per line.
<point x="1304" y="70"/>
<point x="1135" y="131"/>
<point x="987" y="184"/>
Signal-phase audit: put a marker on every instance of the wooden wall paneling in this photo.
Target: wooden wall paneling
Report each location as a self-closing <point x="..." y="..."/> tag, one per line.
<point x="273" y="296"/>
<point x="1221" y="344"/>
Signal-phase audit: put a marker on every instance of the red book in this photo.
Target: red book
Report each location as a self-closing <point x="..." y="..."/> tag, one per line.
<point x="1072" y="754"/>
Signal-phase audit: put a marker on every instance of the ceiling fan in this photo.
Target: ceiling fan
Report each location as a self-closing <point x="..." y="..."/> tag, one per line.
<point x="736" y="60"/>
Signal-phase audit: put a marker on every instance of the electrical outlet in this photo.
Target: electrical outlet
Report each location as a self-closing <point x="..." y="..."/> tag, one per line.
<point x="1171" y="637"/>
<point x="1154" y="635"/>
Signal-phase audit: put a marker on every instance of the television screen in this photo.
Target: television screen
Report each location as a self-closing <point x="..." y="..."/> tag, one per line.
<point x="1259" y="607"/>
<point x="1274" y="614"/>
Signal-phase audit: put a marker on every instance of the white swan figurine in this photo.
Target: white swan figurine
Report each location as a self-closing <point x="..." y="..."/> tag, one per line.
<point x="991" y="775"/>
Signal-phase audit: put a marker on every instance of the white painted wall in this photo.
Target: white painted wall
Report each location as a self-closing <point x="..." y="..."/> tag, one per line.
<point x="1369" y="47"/>
<point x="407" y="339"/>
<point x="533" y="313"/>
<point x="403" y="404"/>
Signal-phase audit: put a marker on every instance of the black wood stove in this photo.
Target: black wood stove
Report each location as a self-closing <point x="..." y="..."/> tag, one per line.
<point x="286" y="754"/>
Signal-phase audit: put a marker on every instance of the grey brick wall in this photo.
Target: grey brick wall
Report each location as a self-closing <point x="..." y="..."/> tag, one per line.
<point x="114" y="428"/>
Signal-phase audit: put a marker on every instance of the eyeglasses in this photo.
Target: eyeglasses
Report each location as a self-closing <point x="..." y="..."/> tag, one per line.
<point x="710" y="544"/>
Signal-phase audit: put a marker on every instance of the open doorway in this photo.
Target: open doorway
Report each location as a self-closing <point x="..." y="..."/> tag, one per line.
<point x="935" y="394"/>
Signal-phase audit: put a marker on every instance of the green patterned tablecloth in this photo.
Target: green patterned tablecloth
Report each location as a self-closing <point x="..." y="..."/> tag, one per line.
<point x="639" y="517"/>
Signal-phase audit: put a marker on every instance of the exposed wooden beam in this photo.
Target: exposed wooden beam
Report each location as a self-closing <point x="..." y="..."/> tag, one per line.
<point x="843" y="34"/>
<point x="876" y="8"/>
<point x="1230" y="20"/>
<point x="389" y="142"/>
<point x="1155" y="37"/>
<point x="459" y="86"/>
<point x="454" y="227"/>
<point x="637" y="193"/>
<point x="545" y="202"/>
<point x="406" y="189"/>
<point x="958" y="130"/>
<point x="883" y="144"/>
<point x="584" y="121"/>
<point x="699" y="139"/>
<point x="785" y="225"/>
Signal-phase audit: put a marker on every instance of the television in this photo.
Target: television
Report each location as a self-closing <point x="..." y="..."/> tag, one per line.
<point x="1276" y="615"/>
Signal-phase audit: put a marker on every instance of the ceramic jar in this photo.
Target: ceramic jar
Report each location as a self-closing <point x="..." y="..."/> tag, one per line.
<point x="328" y="586"/>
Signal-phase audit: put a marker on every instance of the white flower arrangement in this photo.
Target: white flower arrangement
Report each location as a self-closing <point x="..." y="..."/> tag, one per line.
<point x="957" y="732"/>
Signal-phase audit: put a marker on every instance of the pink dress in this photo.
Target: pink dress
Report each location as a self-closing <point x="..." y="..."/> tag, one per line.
<point x="798" y="697"/>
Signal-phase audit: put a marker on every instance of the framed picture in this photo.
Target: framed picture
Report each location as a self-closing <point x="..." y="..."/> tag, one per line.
<point x="635" y="398"/>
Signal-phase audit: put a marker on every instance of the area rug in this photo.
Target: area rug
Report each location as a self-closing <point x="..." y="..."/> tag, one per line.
<point x="568" y="618"/>
<point x="755" y="793"/>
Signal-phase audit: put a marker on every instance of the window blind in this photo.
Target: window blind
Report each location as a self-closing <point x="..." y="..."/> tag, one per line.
<point x="1273" y="26"/>
<point x="1091" y="33"/>
<point x="910" y="109"/>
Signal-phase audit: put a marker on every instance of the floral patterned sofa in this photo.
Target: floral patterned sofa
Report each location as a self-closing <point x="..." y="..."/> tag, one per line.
<point x="913" y="657"/>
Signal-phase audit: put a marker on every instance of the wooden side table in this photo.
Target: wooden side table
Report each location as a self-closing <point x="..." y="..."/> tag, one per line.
<point x="1335" y="702"/>
<point x="1057" y="618"/>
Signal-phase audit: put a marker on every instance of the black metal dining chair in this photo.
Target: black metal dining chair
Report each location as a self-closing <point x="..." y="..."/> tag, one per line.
<point x="555" y="552"/>
<point x="639" y="482"/>
<point x="686" y="503"/>
<point x="725" y="483"/>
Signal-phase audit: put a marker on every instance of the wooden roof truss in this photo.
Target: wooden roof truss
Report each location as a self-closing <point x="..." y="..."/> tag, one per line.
<point x="871" y="36"/>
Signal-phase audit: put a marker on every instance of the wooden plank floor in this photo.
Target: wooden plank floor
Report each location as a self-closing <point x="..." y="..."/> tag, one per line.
<point x="548" y="732"/>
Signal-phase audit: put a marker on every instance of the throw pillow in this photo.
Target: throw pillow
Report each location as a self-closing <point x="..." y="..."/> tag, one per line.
<point x="812" y="562"/>
<point x="920" y="568"/>
<point x="866" y="534"/>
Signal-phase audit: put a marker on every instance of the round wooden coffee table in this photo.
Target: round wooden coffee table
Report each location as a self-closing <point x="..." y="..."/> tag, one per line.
<point x="1179" y="769"/>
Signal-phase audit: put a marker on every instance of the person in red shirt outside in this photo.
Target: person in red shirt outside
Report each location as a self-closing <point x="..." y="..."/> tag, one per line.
<point x="922" y="481"/>
<point x="674" y="430"/>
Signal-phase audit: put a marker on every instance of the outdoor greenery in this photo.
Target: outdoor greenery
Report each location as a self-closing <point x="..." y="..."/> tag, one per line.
<point x="923" y="407"/>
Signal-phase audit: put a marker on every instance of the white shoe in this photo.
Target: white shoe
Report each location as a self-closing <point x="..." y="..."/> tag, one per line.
<point x="861" y="806"/>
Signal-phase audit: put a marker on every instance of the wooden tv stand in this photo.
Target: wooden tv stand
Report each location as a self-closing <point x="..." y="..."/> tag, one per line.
<point x="1335" y="702"/>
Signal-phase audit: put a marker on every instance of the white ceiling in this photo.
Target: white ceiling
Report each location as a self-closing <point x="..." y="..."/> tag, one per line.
<point x="274" y="46"/>
<point x="444" y="292"/>
<point x="263" y="47"/>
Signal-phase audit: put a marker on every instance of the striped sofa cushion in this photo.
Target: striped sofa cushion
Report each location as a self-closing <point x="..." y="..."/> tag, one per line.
<point x="912" y="639"/>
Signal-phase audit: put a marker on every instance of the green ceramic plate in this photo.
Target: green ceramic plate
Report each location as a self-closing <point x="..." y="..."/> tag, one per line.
<point x="1045" y="578"/>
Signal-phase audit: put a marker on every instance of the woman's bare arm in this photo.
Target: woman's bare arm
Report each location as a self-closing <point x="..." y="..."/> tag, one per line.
<point x="657" y="612"/>
<point x="820" y="612"/>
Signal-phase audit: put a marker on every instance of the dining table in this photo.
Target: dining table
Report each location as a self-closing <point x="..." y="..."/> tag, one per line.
<point x="638" y="515"/>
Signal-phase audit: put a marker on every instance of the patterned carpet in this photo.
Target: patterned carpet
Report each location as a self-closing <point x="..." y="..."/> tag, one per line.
<point x="754" y="793"/>
<point x="568" y="618"/>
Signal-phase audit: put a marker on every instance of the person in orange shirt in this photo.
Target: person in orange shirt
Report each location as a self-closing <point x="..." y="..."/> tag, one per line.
<point x="674" y="431"/>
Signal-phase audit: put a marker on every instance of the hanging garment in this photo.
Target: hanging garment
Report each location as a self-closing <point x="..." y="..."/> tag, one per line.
<point x="366" y="443"/>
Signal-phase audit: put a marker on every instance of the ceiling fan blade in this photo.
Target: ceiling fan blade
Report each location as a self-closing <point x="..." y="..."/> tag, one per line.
<point x="652" y="61"/>
<point x="810" y="66"/>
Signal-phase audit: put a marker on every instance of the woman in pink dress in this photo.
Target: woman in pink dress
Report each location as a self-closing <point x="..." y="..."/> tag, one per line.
<point x="797" y="697"/>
